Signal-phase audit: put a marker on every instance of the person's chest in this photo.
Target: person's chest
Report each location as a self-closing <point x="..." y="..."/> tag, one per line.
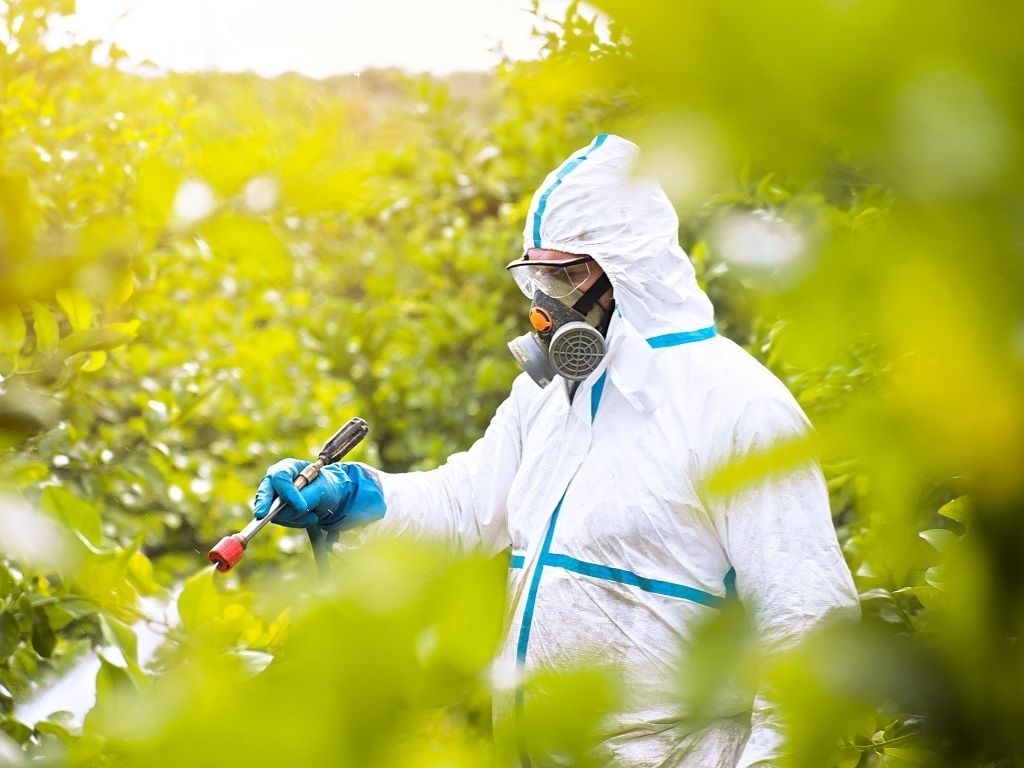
<point x="625" y="488"/>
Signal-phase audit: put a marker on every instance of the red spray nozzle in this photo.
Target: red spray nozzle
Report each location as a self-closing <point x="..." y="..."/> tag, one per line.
<point x="228" y="552"/>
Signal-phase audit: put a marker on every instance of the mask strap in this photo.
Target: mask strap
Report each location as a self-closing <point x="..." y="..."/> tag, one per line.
<point x="592" y="294"/>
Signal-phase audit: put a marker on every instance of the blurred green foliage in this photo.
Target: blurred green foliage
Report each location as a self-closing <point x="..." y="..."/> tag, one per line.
<point x="203" y="273"/>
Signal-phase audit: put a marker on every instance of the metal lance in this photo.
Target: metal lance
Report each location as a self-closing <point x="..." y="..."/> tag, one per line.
<point x="230" y="550"/>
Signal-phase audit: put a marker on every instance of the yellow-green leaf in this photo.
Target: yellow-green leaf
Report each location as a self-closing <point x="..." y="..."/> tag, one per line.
<point x="958" y="509"/>
<point x="76" y="514"/>
<point x="19" y="216"/>
<point x="252" y="246"/>
<point x="199" y="600"/>
<point x="129" y="327"/>
<point x="122" y="290"/>
<point x="155" y="191"/>
<point x="94" y="339"/>
<point x="46" y="329"/>
<point x="120" y="634"/>
<point x="140" y="572"/>
<point x="12" y="331"/>
<point x="940" y="538"/>
<point x="77" y="307"/>
<point x="94" y="362"/>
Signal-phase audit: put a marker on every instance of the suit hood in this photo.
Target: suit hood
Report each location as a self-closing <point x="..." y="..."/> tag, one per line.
<point x="592" y="204"/>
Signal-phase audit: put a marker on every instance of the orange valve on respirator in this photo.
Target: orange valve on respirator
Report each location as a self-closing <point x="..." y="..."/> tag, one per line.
<point x="540" y="320"/>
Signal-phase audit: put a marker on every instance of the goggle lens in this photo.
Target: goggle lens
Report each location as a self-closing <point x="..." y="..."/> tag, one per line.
<point x="556" y="281"/>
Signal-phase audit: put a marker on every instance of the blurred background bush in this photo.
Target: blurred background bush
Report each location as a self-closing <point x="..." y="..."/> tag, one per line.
<point x="204" y="272"/>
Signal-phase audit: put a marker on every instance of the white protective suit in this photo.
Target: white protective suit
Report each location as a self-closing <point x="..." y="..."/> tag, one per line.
<point x="616" y="553"/>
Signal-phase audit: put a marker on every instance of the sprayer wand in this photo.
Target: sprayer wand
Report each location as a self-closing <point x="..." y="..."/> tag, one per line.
<point x="230" y="550"/>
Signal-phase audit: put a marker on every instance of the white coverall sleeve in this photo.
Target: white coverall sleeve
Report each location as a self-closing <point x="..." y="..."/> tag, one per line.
<point x="780" y="539"/>
<point x="462" y="503"/>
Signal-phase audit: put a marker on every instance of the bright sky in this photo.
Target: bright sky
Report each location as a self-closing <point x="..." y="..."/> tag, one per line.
<point x="315" y="37"/>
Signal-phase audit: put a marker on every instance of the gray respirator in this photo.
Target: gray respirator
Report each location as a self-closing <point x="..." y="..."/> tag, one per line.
<point x="566" y="341"/>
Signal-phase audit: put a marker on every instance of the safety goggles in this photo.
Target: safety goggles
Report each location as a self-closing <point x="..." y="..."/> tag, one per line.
<point x="557" y="278"/>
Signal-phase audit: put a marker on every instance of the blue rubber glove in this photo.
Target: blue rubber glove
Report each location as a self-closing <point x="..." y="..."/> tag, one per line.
<point x="343" y="496"/>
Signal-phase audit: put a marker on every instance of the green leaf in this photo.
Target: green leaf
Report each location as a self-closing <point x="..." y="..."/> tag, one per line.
<point x="7" y="580"/>
<point x="252" y="246"/>
<point x="849" y="758"/>
<point x="770" y="191"/>
<point x="60" y="731"/>
<point x="155" y="191"/>
<point x="877" y="593"/>
<point x="77" y="307"/>
<point x="76" y="514"/>
<point x="45" y="327"/>
<point x="122" y="290"/>
<point x="253" y="662"/>
<point x="759" y="465"/>
<point x="24" y="662"/>
<point x="189" y="410"/>
<point x="12" y="331"/>
<point x="20" y="218"/>
<point x="103" y="578"/>
<point x="199" y="599"/>
<point x="78" y="609"/>
<point x="10" y="634"/>
<point x="43" y="638"/>
<point x="111" y="680"/>
<point x="30" y="474"/>
<point x="20" y="732"/>
<point x="131" y="327"/>
<point x="929" y="596"/>
<point x="912" y="756"/>
<point x="937" y="577"/>
<point x="94" y="362"/>
<point x="24" y="410"/>
<point x="958" y="509"/>
<point x="58" y="616"/>
<point x="94" y="339"/>
<point x="140" y="573"/>
<point x="123" y="636"/>
<point x="940" y="538"/>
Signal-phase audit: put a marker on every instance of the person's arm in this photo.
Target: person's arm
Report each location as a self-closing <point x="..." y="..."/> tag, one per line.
<point x="463" y="502"/>
<point x="779" y="536"/>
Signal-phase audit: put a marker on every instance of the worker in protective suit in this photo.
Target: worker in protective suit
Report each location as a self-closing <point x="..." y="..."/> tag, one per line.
<point x="590" y="474"/>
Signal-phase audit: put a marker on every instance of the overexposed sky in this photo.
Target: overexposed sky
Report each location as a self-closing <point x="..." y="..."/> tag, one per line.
<point x="315" y="37"/>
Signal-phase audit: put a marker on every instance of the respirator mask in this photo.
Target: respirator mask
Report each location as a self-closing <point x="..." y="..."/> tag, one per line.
<point x="568" y="324"/>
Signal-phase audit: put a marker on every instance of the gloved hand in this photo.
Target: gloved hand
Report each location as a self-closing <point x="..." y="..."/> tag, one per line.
<point x="343" y="496"/>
